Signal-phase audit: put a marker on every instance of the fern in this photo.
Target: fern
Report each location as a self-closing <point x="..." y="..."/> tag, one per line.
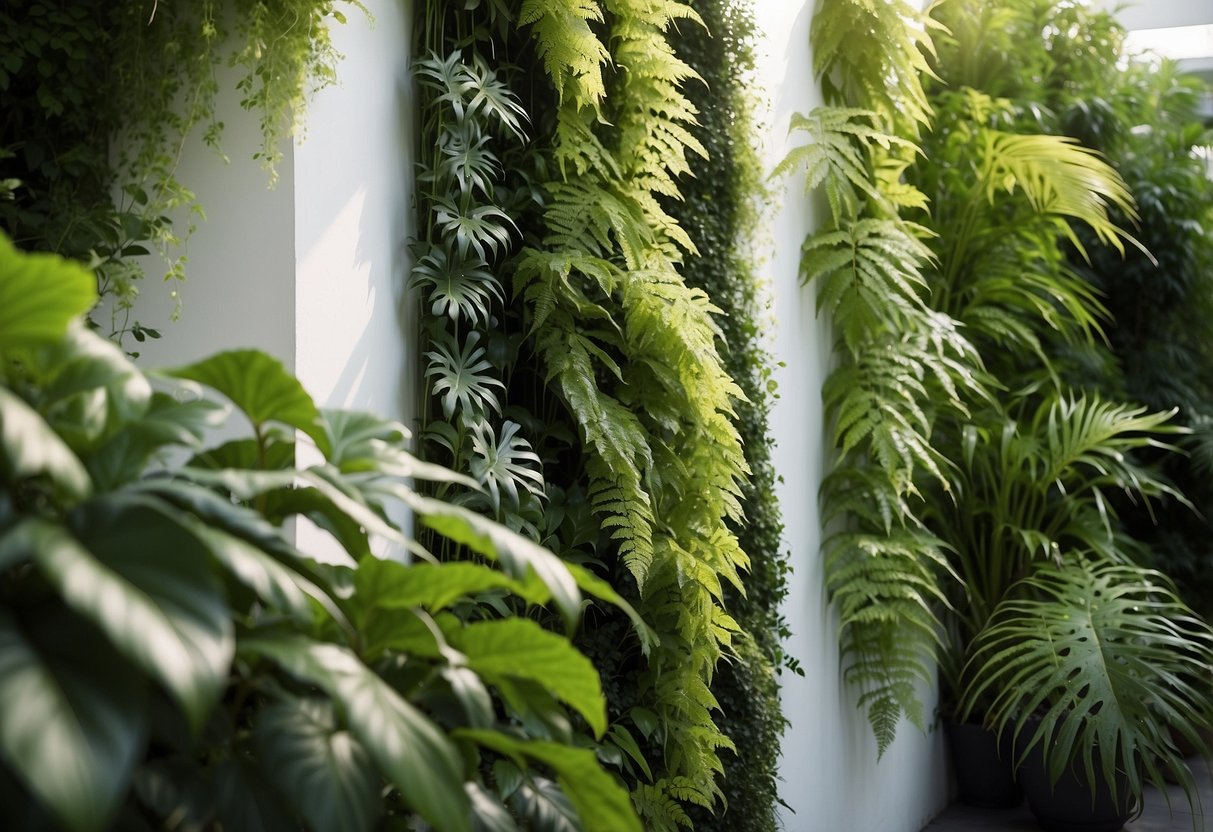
<point x="572" y="54"/>
<point x="647" y="390"/>
<point x="873" y="53"/>
<point x="839" y="157"/>
<point x="901" y="364"/>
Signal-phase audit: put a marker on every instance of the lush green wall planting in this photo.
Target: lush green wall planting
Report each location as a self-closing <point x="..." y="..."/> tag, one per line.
<point x="575" y="373"/>
<point x="721" y="214"/>
<point x="945" y="267"/>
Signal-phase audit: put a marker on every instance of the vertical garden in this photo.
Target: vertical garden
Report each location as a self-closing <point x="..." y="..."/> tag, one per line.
<point x="581" y="627"/>
<point x="575" y="358"/>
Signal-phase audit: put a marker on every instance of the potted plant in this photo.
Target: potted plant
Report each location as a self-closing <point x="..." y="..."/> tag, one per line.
<point x="1031" y="483"/>
<point x="1096" y="667"/>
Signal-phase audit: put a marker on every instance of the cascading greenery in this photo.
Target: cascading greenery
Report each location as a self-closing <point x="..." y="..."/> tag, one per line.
<point x="720" y="213"/>
<point x="593" y="403"/>
<point x="943" y="269"/>
<point x="900" y="361"/>
<point x="98" y="99"/>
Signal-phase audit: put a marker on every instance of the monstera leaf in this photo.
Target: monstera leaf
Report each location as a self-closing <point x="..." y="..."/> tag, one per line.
<point x="1113" y="662"/>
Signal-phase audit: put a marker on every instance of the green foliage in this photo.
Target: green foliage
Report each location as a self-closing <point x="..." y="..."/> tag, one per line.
<point x="1037" y="479"/>
<point x="1110" y="658"/>
<point x="98" y="99"/>
<point x="614" y="441"/>
<point x="719" y="214"/>
<point x="169" y="653"/>
<point x="845" y="36"/>
<point x="1141" y="115"/>
<point x="902" y="364"/>
<point x="970" y="293"/>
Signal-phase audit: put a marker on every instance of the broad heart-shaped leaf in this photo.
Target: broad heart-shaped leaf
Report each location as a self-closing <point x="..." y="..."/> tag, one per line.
<point x="147" y="583"/>
<point x="409" y="749"/>
<point x="491" y="816"/>
<point x="520" y="648"/>
<point x="325" y="773"/>
<point x="223" y="517"/>
<point x="124" y="455"/>
<point x="602" y="803"/>
<point x="29" y="448"/>
<point x="71" y="719"/>
<point x="84" y="363"/>
<point x="261" y="387"/>
<point x="40" y="294"/>
<point x="518" y="555"/>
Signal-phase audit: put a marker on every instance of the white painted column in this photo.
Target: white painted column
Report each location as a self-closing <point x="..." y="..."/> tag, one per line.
<point x="831" y="776"/>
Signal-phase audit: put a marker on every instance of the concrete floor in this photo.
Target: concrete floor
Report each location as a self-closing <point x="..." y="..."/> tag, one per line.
<point x="1156" y="817"/>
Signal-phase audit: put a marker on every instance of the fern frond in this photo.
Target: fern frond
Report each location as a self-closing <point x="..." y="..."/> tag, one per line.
<point x="875" y="54"/>
<point x="867" y="274"/>
<point x="887" y="587"/>
<point x="839" y="156"/>
<point x="658" y="809"/>
<point x="572" y="54"/>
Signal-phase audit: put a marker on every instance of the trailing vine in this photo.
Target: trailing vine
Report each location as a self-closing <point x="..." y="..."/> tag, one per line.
<point x="98" y="99"/>
<point x="720" y="212"/>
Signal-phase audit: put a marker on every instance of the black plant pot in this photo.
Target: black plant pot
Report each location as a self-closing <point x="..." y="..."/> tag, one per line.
<point x="1070" y="805"/>
<point x="985" y="772"/>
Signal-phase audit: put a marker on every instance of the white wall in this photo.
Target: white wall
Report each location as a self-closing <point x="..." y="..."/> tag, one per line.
<point x="239" y="290"/>
<point x="352" y="182"/>
<point x="831" y="776"/>
<point x="311" y="270"/>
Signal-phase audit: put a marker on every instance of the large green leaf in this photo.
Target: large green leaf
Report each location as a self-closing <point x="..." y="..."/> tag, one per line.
<point x="433" y="586"/>
<point x="519" y="648"/>
<point x="324" y="771"/>
<point x="1110" y="657"/>
<point x="147" y="583"/>
<point x="281" y="588"/>
<point x="71" y="719"/>
<point x="517" y="555"/>
<point x="411" y="751"/>
<point x="29" y="448"/>
<point x="364" y="442"/>
<point x="40" y="294"/>
<point x="261" y="387"/>
<point x="168" y="422"/>
<point x="600" y="800"/>
<point x="84" y="363"/>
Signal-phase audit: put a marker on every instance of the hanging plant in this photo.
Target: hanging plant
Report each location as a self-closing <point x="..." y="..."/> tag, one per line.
<point x="99" y="99"/>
